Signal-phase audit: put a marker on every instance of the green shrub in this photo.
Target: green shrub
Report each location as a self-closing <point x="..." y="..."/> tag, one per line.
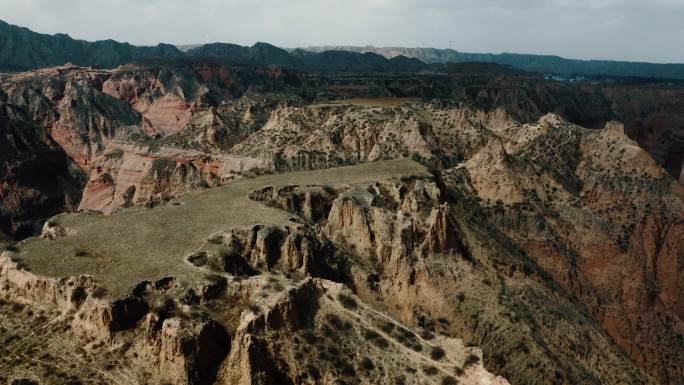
<point x="11" y="248"/>
<point x="437" y="353"/>
<point x="165" y="309"/>
<point x="309" y="336"/>
<point x="427" y="335"/>
<point x="313" y="372"/>
<point x="387" y="327"/>
<point x="334" y="321"/>
<point x="215" y="264"/>
<point x="346" y="369"/>
<point x="99" y="292"/>
<point x="327" y="332"/>
<point x="347" y="301"/>
<point x="376" y="339"/>
<point x="371" y="334"/>
<point x="366" y="364"/>
<point x="198" y="259"/>
<point x="115" y="154"/>
<point x="155" y="146"/>
<point x="430" y="370"/>
<point x="471" y="360"/>
<point x="278" y="287"/>
<point x="255" y="309"/>
<point x="328" y="189"/>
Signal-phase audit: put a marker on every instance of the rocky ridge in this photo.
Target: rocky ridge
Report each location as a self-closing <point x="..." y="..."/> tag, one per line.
<point x="219" y="110"/>
<point x="552" y="189"/>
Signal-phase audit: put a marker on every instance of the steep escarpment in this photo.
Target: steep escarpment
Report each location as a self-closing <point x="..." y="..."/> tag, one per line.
<point x="602" y="223"/>
<point x="434" y="264"/>
<point x="68" y="104"/>
<point x="335" y="337"/>
<point x="350" y="133"/>
<point x="35" y="182"/>
<point x="647" y="106"/>
<point x="105" y="339"/>
<point x="591" y="208"/>
<point x="165" y="130"/>
<point x="127" y="174"/>
<point x="83" y="109"/>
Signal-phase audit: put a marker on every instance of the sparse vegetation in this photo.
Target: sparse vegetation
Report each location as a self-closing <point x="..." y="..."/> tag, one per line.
<point x="115" y="154"/>
<point x="437" y="353"/>
<point x="387" y="327"/>
<point x="256" y="310"/>
<point x="471" y="360"/>
<point x="11" y="248"/>
<point x="430" y="370"/>
<point x="347" y="301"/>
<point x="366" y="364"/>
<point x="328" y="189"/>
<point x="334" y="321"/>
<point x="408" y="339"/>
<point x="376" y="339"/>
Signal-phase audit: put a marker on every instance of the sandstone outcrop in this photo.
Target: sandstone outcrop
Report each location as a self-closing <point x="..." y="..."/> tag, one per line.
<point x="126" y="174"/>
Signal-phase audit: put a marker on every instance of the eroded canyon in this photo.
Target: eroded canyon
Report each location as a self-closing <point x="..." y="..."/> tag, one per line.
<point x="193" y="221"/>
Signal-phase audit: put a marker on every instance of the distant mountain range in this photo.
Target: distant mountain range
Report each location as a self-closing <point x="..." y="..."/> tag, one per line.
<point x="22" y="49"/>
<point x="546" y="64"/>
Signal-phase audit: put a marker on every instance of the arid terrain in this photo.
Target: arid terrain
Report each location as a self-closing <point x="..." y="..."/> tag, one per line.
<point x="207" y="220"/>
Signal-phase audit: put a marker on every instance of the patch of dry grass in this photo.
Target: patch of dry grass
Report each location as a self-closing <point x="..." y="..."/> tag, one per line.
<point x="139" y="244"/>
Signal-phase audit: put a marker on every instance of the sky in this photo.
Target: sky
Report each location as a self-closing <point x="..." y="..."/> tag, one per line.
<point x="636" y="30"/>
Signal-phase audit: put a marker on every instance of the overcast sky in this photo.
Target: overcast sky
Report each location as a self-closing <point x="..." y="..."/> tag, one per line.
<point x="645" y="30"/>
